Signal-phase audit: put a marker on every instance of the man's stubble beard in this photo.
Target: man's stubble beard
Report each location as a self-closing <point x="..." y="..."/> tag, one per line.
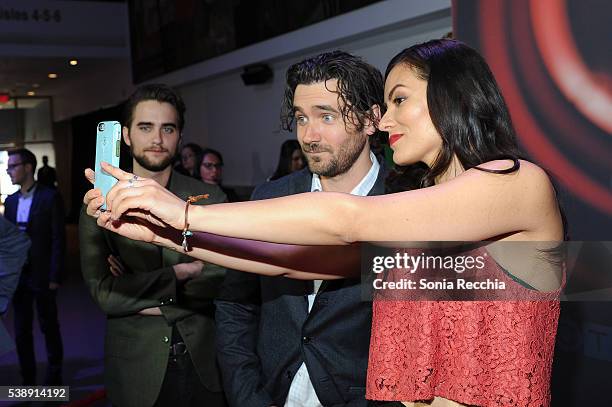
<point x="145" y="163"/>
<point x="340" y="162"/>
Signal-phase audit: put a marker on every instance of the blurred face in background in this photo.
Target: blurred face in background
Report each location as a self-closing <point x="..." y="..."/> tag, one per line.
<point x="297" y="161"/>
<point x="211" y="169"/>
<point x="17" y="170"/>
<point x="188" y="159"/>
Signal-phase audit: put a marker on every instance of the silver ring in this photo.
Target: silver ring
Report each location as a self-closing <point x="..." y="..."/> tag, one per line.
<point x="131" y="181"/>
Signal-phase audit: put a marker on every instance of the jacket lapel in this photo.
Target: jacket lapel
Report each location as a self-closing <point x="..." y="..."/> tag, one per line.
<point x="36" y="202"/>
<point x="377" y="189"/>
<point x="11" y="208"/>
<point x="302" y="184"/>
<point x="379" y="185"/>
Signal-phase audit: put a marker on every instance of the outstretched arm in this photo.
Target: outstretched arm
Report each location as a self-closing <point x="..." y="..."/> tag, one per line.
<point x="275" y="259"/>
<point x="473" y="206"/>
<point x="272" y="259"/>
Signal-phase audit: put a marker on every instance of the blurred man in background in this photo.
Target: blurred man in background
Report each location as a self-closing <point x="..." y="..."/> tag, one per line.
<point x="39" y="211"/>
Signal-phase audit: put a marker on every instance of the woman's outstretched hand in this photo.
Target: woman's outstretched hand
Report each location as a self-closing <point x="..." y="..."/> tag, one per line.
<point x="144" y="199"/>
<point x="129" y="211"/>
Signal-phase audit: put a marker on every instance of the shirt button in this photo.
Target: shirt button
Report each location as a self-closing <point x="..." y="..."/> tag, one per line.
<point x="166" y="300"/>
<point x="166" y="339"/>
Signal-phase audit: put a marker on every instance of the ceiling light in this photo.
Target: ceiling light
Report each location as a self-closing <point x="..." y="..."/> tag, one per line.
<point x="74" y="62"/>
<point x="31" y="93"/>
<point x="52" y="75"/>
<point x="35" y="86"/>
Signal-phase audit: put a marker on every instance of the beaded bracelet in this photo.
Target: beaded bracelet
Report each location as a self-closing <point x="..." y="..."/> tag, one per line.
<point x="186" y="232"/>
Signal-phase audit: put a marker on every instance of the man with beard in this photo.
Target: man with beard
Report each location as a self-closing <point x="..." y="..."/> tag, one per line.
<point x="159" y="303"/>
<point x="303" y="343"/>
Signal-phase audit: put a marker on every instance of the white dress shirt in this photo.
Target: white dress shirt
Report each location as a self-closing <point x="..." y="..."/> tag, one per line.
<point x="23" y="208"/>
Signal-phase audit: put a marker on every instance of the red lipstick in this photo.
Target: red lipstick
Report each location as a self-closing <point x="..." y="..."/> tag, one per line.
<point x="393" y="138"/>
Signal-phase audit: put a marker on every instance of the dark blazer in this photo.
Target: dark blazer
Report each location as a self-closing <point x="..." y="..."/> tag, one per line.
<point x="137" y="346"/>
<point x="46" y="230"/>
<point x="264" y="330"/>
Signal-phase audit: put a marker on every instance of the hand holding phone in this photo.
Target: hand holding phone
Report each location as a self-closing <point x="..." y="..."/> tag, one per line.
<point x="108" y="146"/>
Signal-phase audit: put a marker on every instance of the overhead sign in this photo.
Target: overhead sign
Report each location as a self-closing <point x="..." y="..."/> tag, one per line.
<point x="39" y="28"/>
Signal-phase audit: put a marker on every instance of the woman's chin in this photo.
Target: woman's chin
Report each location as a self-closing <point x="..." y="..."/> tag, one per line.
<point x="402" y="160"/>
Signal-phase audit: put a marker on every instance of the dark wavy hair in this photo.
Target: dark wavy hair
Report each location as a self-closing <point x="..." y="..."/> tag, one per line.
<point x="360" y="86"/>
<point x="285" y="159"/>
<point x="466" y="107"/>
<point x="160" y="93"/>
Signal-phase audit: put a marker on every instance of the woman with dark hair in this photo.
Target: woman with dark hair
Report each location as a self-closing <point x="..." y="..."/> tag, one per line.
<point x="451" y="133"/>
<point x="191" y="156"/>
<point x="291" y="159"/>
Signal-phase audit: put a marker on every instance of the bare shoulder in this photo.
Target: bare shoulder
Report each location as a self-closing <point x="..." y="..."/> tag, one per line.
<point x="527" y="173"/>
<point x="531" y="189"/>
<point x="529" y="182"/>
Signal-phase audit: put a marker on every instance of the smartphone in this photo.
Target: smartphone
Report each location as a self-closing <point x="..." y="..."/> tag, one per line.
<point x="108" y="146"/>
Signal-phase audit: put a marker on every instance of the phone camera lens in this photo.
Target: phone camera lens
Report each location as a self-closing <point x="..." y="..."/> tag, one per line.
<point x="101" y="126"/>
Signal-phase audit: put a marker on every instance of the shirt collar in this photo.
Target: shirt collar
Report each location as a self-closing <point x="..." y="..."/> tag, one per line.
<point x="29" y="192"/>
<point x="364" y="186"/>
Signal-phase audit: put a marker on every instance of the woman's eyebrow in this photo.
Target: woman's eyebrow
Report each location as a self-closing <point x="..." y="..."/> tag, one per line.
<point x="393" y="89"/>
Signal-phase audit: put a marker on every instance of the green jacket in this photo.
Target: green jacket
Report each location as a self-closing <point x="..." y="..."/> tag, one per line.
<point x="137" y="346"/>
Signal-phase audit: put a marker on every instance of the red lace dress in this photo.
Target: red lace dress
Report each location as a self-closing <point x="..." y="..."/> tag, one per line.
<point x="483" y="353"/>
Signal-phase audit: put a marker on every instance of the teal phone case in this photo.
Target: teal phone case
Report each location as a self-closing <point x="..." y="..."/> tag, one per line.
<point x="108" y="146"/>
